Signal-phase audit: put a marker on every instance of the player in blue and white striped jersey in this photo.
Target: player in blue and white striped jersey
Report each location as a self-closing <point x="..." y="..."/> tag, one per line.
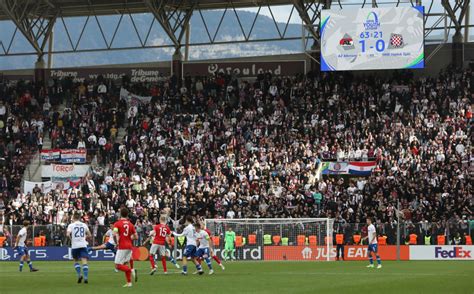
<point x="78" y="232"/>
<point x="203" y="250"/>
<point x="22" y="249"/>
<point x="190" y="250"/>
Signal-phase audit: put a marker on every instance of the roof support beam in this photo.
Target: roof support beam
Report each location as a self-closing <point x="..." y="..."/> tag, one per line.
<point x="310" y="13"/>
<point x="173" y="19"/>
<point x="28" y="16"/>
<point x="461" y="5"/>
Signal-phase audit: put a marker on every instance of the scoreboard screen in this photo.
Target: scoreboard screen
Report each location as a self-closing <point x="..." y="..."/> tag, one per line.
<point x="372" y="38"/>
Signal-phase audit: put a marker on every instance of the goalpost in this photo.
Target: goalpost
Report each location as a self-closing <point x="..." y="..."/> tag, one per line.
<point x="274" y="238"/>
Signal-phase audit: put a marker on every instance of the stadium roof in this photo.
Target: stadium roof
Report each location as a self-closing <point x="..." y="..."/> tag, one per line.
<point x="70" y="8"/>
<point x="35" y="20"/>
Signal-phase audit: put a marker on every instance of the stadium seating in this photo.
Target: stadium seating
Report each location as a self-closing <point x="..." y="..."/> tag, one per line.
<point x="239" y="241"/>
<point x="276" y="240"/>
<point x="216" y="241"/>
<point x="313" y="240"/>
<point x="441" y="240"/>
<point x="233" y="149"/>
<point x="301" y="240"/>
<point x="252" y="239"/>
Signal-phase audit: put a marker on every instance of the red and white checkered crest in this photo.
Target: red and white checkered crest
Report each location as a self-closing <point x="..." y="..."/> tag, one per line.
<point x="396" y="40"/>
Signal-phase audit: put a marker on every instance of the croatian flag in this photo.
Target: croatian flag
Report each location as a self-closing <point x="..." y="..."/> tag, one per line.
<point x="73" y="155"/>
<point x="50" y="154"/>
<point x="361" y="168"/>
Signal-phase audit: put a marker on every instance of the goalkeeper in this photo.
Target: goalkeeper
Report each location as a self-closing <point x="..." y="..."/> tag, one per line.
<point x="229" y="245"/>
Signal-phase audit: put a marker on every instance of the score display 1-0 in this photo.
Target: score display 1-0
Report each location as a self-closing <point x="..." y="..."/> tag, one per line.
<point x="366" y="36"/>
<point x="372" y="38"/>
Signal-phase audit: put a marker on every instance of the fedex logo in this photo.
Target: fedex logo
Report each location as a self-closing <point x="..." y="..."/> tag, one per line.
<point x="457" y="252"/>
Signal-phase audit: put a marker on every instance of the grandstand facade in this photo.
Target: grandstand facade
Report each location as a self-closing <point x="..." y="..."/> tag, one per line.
<point x="36" y="23"/>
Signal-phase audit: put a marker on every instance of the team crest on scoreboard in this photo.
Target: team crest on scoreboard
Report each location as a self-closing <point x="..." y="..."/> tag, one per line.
<point x="396" y="41"/>
<point x="347" y="43"/>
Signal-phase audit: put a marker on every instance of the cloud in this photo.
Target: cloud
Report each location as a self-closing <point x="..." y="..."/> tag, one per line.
<point x="281" y="13"/>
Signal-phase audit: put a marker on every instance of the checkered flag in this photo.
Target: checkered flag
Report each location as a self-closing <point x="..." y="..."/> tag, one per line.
<point x="396" y="41"/>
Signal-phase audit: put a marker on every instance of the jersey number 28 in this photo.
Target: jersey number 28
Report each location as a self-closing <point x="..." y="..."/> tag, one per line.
<point x="79" y="232"/>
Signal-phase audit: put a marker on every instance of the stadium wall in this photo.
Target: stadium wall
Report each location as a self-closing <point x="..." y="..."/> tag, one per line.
<point x="272" y="253"/>
<point x="440" y="60"/>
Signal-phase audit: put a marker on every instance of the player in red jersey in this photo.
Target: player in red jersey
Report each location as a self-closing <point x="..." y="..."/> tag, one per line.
<point x="161" y="235"/>
<point x="124" y="234"/>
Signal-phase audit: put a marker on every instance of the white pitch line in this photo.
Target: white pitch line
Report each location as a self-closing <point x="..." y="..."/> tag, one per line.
<point x="99" y="272"/>
<point x="380" y="271"/>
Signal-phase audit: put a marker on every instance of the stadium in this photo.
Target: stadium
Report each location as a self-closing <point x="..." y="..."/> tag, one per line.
<point x="236" y="146"/>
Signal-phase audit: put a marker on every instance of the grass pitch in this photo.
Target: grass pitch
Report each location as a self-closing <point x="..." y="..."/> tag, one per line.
<point x="249" y="277"/>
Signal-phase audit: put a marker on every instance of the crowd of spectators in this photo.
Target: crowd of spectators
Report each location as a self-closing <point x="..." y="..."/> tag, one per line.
<point x="22" y="123"/>
<point x="220" y="147"/>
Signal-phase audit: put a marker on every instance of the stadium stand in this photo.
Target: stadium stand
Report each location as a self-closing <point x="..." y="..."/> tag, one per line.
<point x="226" y="148"/>
<point x="231" y="149"/>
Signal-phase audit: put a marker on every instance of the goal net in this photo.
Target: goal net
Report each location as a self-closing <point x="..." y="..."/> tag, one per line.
<point x="273" y="239"/>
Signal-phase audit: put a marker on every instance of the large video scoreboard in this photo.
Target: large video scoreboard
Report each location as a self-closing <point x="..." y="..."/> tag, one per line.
<point x="372" y="38"/>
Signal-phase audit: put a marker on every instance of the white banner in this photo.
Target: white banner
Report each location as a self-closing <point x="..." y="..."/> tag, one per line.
<point x="44" y="186"/>
<point x="65" y="184"/>
<point x="453" y="252"/>
<point x="132" y="98"/>
<point x="64" y="171"/>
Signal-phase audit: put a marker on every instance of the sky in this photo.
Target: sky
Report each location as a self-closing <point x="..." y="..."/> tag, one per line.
<point x="281" y="13"/>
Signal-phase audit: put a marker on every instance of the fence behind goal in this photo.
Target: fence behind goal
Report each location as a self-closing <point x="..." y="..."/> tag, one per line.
<point x="273" y="239"/>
